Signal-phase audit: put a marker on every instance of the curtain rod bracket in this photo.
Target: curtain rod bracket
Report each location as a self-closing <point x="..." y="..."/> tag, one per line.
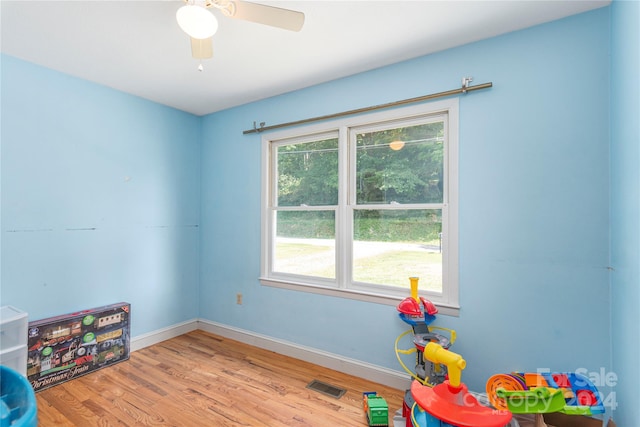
<point x="465" y="83"/>
<point x="258" y="129"/>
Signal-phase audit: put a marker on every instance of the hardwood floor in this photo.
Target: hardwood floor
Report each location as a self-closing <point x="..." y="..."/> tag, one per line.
<point x="200" y="379"/>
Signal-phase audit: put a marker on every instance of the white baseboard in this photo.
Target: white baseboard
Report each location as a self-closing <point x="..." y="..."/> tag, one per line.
<point x="379" y="374"/>
<point x="151" y="338"/>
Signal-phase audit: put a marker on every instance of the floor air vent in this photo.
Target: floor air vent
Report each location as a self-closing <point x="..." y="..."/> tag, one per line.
<point x="327" y="389"/>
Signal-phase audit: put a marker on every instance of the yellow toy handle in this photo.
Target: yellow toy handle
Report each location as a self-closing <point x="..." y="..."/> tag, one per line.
<point x="414" y="288"/>
<point x="454" y="362"/>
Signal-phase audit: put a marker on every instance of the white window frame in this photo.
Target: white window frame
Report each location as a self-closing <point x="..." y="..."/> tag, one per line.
<point x="447" y="301"/>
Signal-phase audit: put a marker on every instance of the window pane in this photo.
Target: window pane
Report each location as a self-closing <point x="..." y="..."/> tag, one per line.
<point x="305" y="243"/>
<point x="308" y="173"/>
<point x="400" y="165"/>
<point x="392" y="245"/>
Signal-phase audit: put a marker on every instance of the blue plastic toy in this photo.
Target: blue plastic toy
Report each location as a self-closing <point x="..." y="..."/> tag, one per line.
<point x="18" y="401"/>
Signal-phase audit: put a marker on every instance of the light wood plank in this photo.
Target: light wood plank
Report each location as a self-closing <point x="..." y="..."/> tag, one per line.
<point x="203" y="380"/>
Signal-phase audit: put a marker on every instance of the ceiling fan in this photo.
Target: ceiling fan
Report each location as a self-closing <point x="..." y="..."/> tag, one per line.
<point x="195" y="19"/>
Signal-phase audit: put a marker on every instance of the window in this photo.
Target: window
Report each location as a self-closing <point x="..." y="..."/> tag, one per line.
<point x="356" y="206"/>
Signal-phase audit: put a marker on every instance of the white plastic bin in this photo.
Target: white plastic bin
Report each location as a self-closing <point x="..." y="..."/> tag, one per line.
<point x="13" y="327"/>
<point x="15" y="358"/>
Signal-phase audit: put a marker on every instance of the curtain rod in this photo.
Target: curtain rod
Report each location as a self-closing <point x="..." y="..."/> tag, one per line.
<point x="464" y="89"/>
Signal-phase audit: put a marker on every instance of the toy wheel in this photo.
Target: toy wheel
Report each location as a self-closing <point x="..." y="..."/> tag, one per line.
<point x="503" y="381"/>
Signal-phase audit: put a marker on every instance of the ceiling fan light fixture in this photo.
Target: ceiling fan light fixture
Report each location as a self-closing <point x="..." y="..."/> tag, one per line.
<point x="196" y="21"/>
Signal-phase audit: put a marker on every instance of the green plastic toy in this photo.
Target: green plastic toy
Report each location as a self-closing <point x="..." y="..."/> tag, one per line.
<point x="376" y="409"/>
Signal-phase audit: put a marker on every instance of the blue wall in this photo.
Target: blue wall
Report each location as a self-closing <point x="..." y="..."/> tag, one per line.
<point x="100" y="199"/>
<point x="534" y="217"/>
<point x="625" y="207"/>
<point x="107" y="197"/>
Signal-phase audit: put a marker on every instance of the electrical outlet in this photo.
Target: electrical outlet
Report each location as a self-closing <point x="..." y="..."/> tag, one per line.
<point x="239" y="299"/>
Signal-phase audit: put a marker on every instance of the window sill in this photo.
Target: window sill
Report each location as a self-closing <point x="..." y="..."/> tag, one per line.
<point x="443" y="309"/>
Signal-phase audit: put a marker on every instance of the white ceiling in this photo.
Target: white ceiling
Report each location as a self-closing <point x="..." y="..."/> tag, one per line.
<point x="138" y="48"/>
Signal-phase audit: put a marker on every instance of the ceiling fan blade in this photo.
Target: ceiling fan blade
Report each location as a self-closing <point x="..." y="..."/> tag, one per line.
<point x="268" y="15"/>
<point x="202" y="48"/>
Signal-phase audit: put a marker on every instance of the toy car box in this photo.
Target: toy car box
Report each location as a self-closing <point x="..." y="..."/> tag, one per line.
<point x="64" y="347"/>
